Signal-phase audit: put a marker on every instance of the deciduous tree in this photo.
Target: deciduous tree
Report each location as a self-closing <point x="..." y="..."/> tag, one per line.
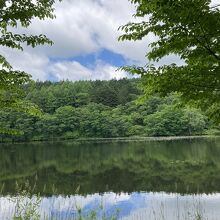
<point x="13" y="14"/>
<point x="190" y="29"/>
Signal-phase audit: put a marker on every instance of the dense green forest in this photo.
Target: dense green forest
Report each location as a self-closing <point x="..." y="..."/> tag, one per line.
<point x="100" y="109"/>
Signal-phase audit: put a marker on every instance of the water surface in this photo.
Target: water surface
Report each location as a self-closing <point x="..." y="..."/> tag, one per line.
<point x="139" y="178"/>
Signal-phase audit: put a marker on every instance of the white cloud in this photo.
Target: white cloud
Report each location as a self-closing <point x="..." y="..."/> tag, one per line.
<point x="83" y="27"/>
<point x="70" y="70"/>
<point x="75" y="71"/>
<point x="41" y="68"/>
<point x="80" y="28"/>
<point x="35" y="64"/>
<point x="214" y="2"/>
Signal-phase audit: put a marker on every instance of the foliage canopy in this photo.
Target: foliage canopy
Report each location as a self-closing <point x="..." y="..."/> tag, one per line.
<point x="190" y="29"/>
<point x="81" y="109"/>
<point x="15" y="14"/>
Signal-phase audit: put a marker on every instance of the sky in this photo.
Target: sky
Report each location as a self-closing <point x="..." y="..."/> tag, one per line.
<point x="143" y="205"/>
<point x="85" y="35"/>
<point x="86" y="47"/>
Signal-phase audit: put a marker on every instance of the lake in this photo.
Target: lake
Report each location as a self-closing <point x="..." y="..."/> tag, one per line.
<point x="161" y="179"/>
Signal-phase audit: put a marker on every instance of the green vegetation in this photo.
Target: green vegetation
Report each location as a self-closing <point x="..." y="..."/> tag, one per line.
<point x="99" y="109"/>
<point x="188" y="29"/>
<point x="14" y="14"/>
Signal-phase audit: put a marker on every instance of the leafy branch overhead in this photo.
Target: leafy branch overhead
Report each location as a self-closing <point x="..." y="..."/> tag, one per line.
<point x="13" y="14"/>
<point x="189" y="29"/>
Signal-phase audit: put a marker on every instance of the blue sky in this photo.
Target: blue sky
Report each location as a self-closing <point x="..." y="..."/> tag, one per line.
<point x="89" y="60"/>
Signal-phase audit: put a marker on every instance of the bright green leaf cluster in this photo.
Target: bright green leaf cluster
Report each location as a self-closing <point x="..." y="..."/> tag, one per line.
<point x="14" y="14"/>
<point x="190" y="29"/>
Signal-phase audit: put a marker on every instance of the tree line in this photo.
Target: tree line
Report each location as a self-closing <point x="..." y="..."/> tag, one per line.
<point x="99" y="109"/>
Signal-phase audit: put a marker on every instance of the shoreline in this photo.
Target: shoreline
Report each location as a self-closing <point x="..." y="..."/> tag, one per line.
<point x="118" y="139"/>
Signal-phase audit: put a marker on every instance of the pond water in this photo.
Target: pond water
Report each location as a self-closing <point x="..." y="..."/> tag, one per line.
<point x="172" y="179"/>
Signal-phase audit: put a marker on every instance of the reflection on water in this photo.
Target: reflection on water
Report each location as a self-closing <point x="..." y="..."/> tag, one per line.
<point x="127" y="169"/>
<point x="149" y="206"/>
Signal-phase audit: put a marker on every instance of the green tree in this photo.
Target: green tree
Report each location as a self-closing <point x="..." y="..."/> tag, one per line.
<point x="103" y="93"/>
<point x="47" y="128"/>
<point x="195" y="122"/>
<point x="190" y="29"/>
<point x="68" y="121"/>
<point x="173" y="121"/>
<point x="14" y="14"/>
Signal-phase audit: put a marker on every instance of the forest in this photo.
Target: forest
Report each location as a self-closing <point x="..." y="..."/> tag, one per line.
<point x="99" y="109"/>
